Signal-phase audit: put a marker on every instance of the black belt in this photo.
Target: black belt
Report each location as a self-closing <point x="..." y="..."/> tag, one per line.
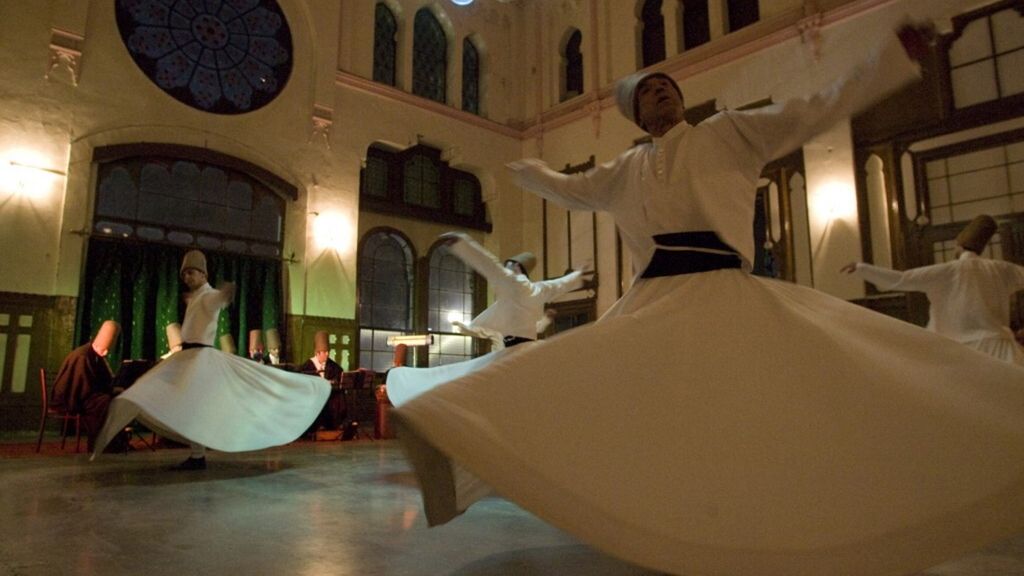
<point x="679" y="262"/>
<point x="511" y="341"/>
<point x="187" y="345"/>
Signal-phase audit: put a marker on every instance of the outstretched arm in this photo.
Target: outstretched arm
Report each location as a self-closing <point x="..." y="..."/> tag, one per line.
<point x="917" y="279"/>
<point x="775" y="130"/>
<point x="478" y="258"/>
<point x="591" y="190"/>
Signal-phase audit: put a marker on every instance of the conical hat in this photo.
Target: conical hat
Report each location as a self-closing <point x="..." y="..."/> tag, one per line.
<point x="193" y="259"/>
<point x="321" y="341"/>
<point x="106" y="336"/>
<point x="625" y="93"/>
<point x="976" y="235"/>
<point x="227" y="344"/>
<point x="173" y="335"/>
<point x="527" y="260"/>
<point x="255" y="339"/>
<point x="273" y="339"/>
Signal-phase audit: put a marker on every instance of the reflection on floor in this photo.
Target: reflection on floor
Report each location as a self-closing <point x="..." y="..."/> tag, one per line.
<point x="325" y="508"/>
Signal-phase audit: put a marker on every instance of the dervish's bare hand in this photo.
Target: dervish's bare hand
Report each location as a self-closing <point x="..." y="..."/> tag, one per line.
<point x="917" y="38"/>
<point x="849" y="268"/>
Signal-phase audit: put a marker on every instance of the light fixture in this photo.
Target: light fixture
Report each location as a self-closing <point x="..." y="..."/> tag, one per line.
<point x="462" y="2"/>
<point x="331" y="231"/>
<point x="17" y="164"/>
<point x="411" y="340"/>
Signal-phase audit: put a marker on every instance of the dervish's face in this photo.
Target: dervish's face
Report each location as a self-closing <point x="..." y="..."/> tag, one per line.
<point x="659" y="106"/>
<point x="515" y="267"/>
<point x="321" y="356"/>
<point x="193" y="278"/>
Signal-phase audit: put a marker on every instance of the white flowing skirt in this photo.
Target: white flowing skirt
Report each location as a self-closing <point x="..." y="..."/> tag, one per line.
<point x="222" y="401"/>
<point x="404" y="384"/>
<point x="724" y="424"/>
<point x="1004" y="347"/>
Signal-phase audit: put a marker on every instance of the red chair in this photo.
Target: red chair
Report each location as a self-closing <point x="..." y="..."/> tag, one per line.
<point x="58" y="413"/>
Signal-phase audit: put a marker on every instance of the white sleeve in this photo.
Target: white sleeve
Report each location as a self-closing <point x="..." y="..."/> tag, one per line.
<point x="486" y="264"/>
<point x="915" y="280"/>
<point x="776" y="130"/>
<point x="591" y="190"/>
<point x="551" y="289"/>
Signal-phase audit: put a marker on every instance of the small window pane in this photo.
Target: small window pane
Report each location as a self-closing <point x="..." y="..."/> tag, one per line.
<point x="972" y="45"/>
<point x="974" y="84"/>
<point x="1011" y="73"/>
<point x="1008" y="30"/>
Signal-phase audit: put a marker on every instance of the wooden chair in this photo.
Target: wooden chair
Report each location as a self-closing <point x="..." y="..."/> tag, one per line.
<point x="56" y="413"/>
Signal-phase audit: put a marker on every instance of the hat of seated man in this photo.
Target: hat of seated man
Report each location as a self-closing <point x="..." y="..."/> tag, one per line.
<point x="193" y="259"/>
<point x="321" y="341"/>
<point x="227" y="344"/>
<point x="975" y="236"/>
<point x="255" y="340"/>
<point x="273" y="339"/>
<point x="105" y="337"/>
<point x="526" y="259"/>
<point x="625" y="93"/>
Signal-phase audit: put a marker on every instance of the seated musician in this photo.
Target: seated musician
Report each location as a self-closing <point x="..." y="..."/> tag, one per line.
<point x="84" y="384"/>
<point x="333" y="414"/>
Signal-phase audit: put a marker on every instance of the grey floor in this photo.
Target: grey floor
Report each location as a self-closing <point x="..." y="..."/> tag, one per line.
<point x="311" y="509"/>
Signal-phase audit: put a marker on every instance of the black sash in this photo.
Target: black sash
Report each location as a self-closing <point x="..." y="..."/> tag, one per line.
<point x="187" y="345"/>
<point x="679" y="262"/>
<point x="511" y="341"/>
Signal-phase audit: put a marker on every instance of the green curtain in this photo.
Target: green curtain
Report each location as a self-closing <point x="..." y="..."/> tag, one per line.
<point x="138" y="285"/>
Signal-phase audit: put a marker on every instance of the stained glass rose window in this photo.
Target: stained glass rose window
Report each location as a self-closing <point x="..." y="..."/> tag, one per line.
<point x="221" y="56"/>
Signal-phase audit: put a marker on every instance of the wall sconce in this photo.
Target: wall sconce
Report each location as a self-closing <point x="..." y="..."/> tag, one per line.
<point x="30" y="179"/>
<point x="331" y="231"/>
<point x="411" y="340"/>
<point x="838" y="201"/>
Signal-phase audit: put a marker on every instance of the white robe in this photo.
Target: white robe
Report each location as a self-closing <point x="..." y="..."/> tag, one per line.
<point x="969" y="299"/>
<point x="222" y="401"/>
<point x="518" y="305"/>
<point x="724" y="424"/>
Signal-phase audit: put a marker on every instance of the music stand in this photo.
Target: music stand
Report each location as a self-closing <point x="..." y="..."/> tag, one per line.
<point x="127" y="374"/>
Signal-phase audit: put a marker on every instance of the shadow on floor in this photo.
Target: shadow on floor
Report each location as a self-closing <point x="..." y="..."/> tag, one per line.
<point x="554" y="560"/>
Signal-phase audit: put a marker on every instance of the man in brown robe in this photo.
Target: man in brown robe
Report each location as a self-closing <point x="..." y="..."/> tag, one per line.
<point x="84" y="384"/>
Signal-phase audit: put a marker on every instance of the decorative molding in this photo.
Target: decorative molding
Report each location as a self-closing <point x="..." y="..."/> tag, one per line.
<point x="65" y="56"/>
<point x="322" y="120"/>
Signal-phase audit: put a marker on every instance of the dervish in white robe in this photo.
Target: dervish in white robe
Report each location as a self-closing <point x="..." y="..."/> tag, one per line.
<point x="203" y="396"/>
<point x="517" y="311"/>
<point x="723" y="424"/>
<point x="968" y="299"/>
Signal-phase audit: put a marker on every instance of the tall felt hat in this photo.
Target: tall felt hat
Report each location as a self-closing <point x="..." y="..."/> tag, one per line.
<point x="321" y="341"/>
<point x="193" y="259"/>
<point x="625" y="92"/>
<point x="976" y="235"/>
<point x="106" y="335"/>
<point x="173" y="335"/>
<point x="273" y="339"/>
<point x="255" y="339"/>
<point x="527" y="260"/>
<point x="227" y="344"/>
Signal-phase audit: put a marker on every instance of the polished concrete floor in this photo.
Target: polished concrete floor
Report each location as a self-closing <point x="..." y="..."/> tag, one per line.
<point x="312" y="509"/>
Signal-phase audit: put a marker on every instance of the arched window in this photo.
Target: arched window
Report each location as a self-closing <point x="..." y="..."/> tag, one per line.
<point x="470" y="77"/>
<point x="652" y="36"/>
<point x="385" y="295"/>
<point x="573" y="62"/>
<point x="696" y="26"/>
<point x="385" y="47"/>
<point x="153" y="203"/>
<point x="450" y="297"/>
<point x="429" y="57"/>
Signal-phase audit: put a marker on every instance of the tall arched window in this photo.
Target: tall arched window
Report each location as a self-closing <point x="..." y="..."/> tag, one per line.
<point x="652" y="36"/>
<point x="153" y="203"/>
<point x="696" y="25"/>
<point x="429" y="57"/>
<point x="450" y="297"/>
<point x="470" y="77"/>
<point x="385" y="47"/>
<point x="573" y="62"/>
<point x="385" y="295"/>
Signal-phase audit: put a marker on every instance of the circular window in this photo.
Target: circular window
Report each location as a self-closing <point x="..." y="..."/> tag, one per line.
<point x="226" y="57"/>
